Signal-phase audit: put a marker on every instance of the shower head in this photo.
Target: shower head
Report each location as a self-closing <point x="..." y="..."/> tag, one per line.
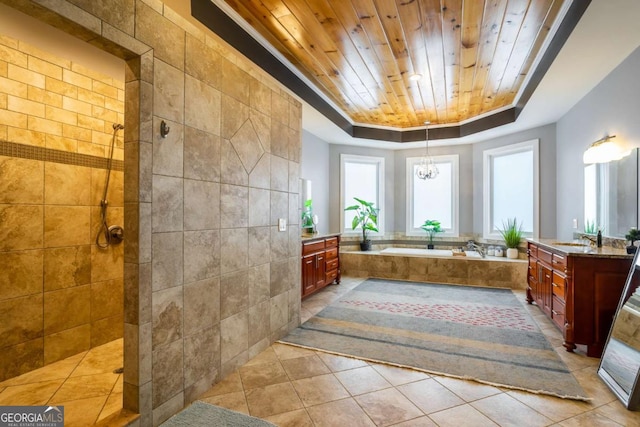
<point x="117" y="126"/>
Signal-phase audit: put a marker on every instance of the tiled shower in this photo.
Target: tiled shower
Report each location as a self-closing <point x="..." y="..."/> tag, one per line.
<point x="59" y="293"/>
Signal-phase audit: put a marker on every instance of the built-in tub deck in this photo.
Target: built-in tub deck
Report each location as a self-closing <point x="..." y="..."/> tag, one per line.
<point x="436" y="266"/>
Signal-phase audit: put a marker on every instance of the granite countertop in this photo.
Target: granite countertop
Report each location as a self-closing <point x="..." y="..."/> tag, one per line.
<point x="581" y="251"/>
<point x="305" y="237"/>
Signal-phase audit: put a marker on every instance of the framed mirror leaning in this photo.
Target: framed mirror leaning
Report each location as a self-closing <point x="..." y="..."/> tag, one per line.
<point x="620" y="363"/>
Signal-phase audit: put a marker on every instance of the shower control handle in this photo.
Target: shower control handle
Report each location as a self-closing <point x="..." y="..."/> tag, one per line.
<point x="116" y="234"/>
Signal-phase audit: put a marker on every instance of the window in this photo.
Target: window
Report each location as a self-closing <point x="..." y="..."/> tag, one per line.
<point x="511" y="188"/>
<point x="435" y="199"/>
<point x="361" y="177"/>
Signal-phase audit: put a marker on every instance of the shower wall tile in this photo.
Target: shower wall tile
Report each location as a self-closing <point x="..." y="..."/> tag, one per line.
<point x="201" y="255"/>
<point x="167" y="265"/>
<point x="279" y="174"/>
<point x="201" y="155"/>
<point x="259" y="207"/>
<point x="231" y="169"/>
<point x="204" y="348"/>
<point x="279" y="139"/>
<point x="234" y="336"/>
<point x="21" y="227"/>
<point x="167" y="151"/>
<point x="21" y="358"/>
<point x="236" y="247"/>
<point x="234" y="115"/>
<point x="260" y="176"/>
<point x="107" y="299"/>
<point x="115" y="192"/>
<point x="234" y="293"/>
<point x="106" y="330"/>
<point x="202" y="63"/>
<point x="115" y="216"/>
<point x="168" y="92"/>
<point x="21" y="181"/>
<point x="106" y="264"/>
<point x="262" y="125"/>
<point x="235" y="81"/>
<point x="168" y="43"/>
<point x="66" y="225"/>
<point x="279" y="108"/>
<point x="67" y="267"/>
<point x="260" y="97"/>
<point x="259" y="245"/>
<point x="167" y="204"/>
<point x="259" y="284"/>
<point x="259" y="322"/>
<point x="22" y="319"/>
<point x="234" y="206"/>
<point x="66" y="308"/>
<point x="168" y="315"/>
<point x="201" y="305"/>
<point x="201" y="205"/>
<point x="168" y="371"/>
<point x="66" y="343"/>
<point x="22" y="273"/>
<point x="203" y="110"/>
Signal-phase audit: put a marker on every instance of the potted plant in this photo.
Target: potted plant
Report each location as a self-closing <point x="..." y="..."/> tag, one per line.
<point x="366" y="217"/>
<point x="307" y="217"/>
<point x="634" y="234"/>
<point x="431" y="226"/>
<point x="512" y="234"/>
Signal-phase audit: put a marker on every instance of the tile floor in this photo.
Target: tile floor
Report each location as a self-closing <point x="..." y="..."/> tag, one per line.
<point x="290" y="386"/>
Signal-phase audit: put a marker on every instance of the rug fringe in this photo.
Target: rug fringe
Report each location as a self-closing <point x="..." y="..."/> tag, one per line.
<point x="444" y="374"/>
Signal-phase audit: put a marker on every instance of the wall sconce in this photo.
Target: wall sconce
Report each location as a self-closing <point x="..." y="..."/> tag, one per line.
<point x="605" y="150"/>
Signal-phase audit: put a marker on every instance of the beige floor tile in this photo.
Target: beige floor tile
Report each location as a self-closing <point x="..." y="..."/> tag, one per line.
<point x="261" y="375"/>
<point x="235" y="401"/>
<point x="464" y="415"/>
<point x="266" y="356"/>
<point x="298" y="418"/>
<point x="272" y="400"/>
<point x="305" y="367"/>
<point x="551" y="407"/>
<point x="82" y="412"/>
<point x="320" y="389"/>
<point x="591" y="418"/>
<point x="467" y="390"/>
<point x="344" y="412"/>
<point x="103" y="359"/>
<point x="83" y="387"/>
<point x="387" y="407"/>
<point x="506" y="411"/>
<point x="417" y="422"/>
<point x="285" y="352"/>
<point x="362" y="380"/>
<point x="30" y="394"/>
<point x="231" y="383"/>
<point x="340" y="363"/>
<point x="593" y="386"/>
<point x="398" y="376"/>
<point x="55" y="371"/>
<point x="430" y="396"/>
<point x="112" y="406"/>
<point x="617" y="412"/>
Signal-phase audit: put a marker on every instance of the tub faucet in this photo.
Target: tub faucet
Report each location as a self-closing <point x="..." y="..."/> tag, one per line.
<point x="471" y="245"/>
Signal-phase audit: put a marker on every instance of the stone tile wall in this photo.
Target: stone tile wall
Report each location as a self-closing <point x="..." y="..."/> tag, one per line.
<point x="59" y="294"/>
<point x="209" y="279"/>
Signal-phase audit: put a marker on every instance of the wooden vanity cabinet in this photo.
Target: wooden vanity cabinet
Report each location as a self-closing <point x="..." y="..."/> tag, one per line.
<point x="579" y="293"/>
<point x="320" y="263"/>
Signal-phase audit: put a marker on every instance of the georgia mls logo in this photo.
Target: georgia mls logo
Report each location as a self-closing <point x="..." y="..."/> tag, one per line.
<point x="31" y="416"/>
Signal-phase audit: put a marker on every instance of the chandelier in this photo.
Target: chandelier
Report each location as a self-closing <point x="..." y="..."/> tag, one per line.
<point x="427" y="168"/>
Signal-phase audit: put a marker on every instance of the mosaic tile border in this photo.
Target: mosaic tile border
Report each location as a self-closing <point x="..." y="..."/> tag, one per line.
<point x="12" y="149"/>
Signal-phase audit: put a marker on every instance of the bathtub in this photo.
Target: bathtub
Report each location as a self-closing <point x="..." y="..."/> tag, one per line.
<point x="428" y="252"/>
<point x="436" y="266"/>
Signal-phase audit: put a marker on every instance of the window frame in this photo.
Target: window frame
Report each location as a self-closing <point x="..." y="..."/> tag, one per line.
<point x="354" y="158"/>
<point x="454" y="159"/>
<point x="488" y="155"/>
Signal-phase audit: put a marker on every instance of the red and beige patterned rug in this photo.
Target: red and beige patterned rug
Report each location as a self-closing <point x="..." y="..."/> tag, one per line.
<point x="481" y="334"/>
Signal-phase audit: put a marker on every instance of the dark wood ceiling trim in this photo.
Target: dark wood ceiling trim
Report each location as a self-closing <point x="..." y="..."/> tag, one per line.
<point x="217" y="21"/>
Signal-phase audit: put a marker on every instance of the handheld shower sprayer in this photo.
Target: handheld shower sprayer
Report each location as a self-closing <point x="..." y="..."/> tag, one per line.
<point x="115" y="233"/>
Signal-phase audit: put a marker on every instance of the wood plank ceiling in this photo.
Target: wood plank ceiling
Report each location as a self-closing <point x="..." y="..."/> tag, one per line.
<point x="473" y="55"/>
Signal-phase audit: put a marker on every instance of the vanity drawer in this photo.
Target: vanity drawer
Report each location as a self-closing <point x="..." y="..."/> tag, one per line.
<point x="557" y="312"/>
<point x="331" y="242"/>
<point x="557" y="285"/>
<point x="533" y="250"/>
<point x="533" y="270"/>
<point x="545" y="256"/>
<point x="332" y="264"/>
<point x="559" y="262"/>
<point x="332" y="253"/>
<point x="330" y="276"/>
<point x="311" y="247"/>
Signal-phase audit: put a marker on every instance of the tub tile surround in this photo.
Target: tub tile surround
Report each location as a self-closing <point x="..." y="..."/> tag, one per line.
<point x="62" y="294"/>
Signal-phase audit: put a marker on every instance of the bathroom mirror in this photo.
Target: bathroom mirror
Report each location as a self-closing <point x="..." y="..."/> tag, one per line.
<point x="620" y="364"/>
<point x="611" y="196"/>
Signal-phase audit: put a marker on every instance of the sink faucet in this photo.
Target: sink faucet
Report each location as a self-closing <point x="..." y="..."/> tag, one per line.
<point x="471" y="245"/>
<point x="591" y="239"/>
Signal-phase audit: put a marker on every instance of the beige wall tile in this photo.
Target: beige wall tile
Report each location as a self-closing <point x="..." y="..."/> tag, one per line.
<point x="202" y="63"/>
<point x="92" y="123"/>
<point x="67" y="267"/>
<point x="168" y="375"/>
<point x="201" y="205"/>
<point x="66" y="308"/>
<point x="107" y="264"/>
<point x="202" y="359"/>
<point x="22" y="319"/>
<point x="11" y="118"/>
<point x="168" y="44"/>
<point x="107" y="299"/>
<point x="77" y="106"/>
<point x="45" y="68"/>
<point x="45" y="97"/>
<point x="231" y="169"/>
<point x="14" y="56"/>
<point x="201" y="305"/>
<point x="21" y="358"/>
<point x="167" y="265"/>
<point x="21" y="180"/>
<point x="168" y="316"/>
<point x="234" y="336"/>
<point x="60" y="115"/>
<point x="235" y="82"/>
<point x="22" y="273"/>
<point x="247" y="145"/>
<point x="21" y="105"/>
<point x="66" y="226"/>
<point x="21" y="227"/>
<point x="234" y="206"/>
<point x="167" y="204"/>
<point x="235" y="254"/>
<point x="201" y="155"/>
<point x="67" y="184"/>
<point x="262" y="125"/>
<point x="234" y="293"/>
<point x="168" y="94"/>
<point x="27" y="137"/>
<point x="203" y="109"/>
<point x="201" y="255"/>
<point x="167" y="152"/>
<point x="61" y="143"/>
<point x="25" y="76"/>
<point x="66" y="343"/>
<point x="76" y="79"/>
<point x="91" y="97"/>
<point x="105" y="89"/>
<point x="106" y="330"/>
<point x="43" y="125"/>
<point x="61" y="88"/>
<point x="76" y="132"/>
<point x="108" y="116"/>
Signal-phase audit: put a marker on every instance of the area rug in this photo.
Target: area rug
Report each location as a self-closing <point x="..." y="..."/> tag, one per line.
<point x="202" y="414"/>
<point x="481" y="334"/>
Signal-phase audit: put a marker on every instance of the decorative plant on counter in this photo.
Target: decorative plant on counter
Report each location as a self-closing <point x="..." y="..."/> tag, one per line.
<point x="590" y="227"/>
<point x="366" y="217"/>
<point x="307" y="217"/>
<point x="432" y="227"/>
<point x="634" y="234"/>
<point x="512" y="234"/>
